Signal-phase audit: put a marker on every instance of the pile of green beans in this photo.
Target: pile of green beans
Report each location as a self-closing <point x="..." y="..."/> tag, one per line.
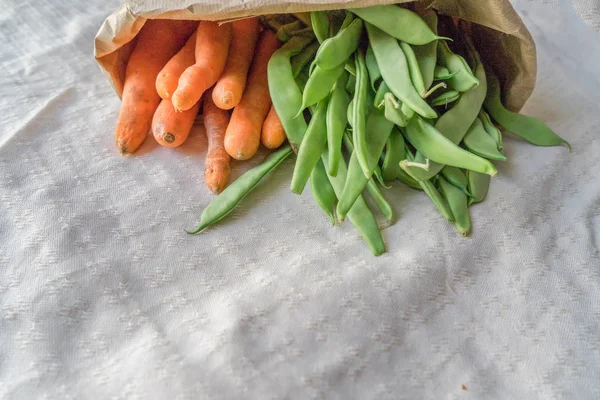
<point x="374" y="96"/>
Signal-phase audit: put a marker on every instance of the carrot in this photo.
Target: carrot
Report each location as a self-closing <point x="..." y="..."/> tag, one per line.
<point x="168" y="77"/>
<point x="216" y="172"/>
<point x="243" y="133"/>
<point x="158" y="41"/>
<point x="228" y="91"/>
<point x="212" y="47"/>
<point x="171" y="128"/>
<point x="272" y="135"/>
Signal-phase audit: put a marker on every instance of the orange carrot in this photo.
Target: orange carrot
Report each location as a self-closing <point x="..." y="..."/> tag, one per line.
<point x="216" y="172"/>
<point x="168" y="77"/>
<point x="158" y="41"/>
<point x="212" y="48"/>
<point x="243" y="133"/>
<point x="170" y="127"/>
<point x="273" y="134"/>
<point x="228" y="91"/>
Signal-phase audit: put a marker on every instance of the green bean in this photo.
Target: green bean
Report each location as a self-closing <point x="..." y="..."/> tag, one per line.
<point x="478" y="187"/>
<point x="427" y="54"/>
<point x="351" y="84"/>
<point x="380" y="201"/>
<point x="225" y="202"/>
<point x="413" y="68"/>
<point x="337" y="121"/>
<point x="350" y="67"/>
<point x="372" y="67"/>
<point x="437" y="147"/>
<point x="393" y="155"/>
<point x="441" y="73"/>
<point x="285" y="32"/>
<point x="285" y="94"/>
<point x="393" y="110"/>
<point x="398" y="22"/>
<point x="529" y="128"/>
<point x="479" y="142"/>
<point x="359" y="215"/>
<point x="409" y="181"/>
<point x="491" y="129"/>
<point x="322" y="190"/>
<point x="455" y="123"/>
<point x="457" y="201"/>
<point x="464" y="80"/>
<point x="379" y="100"/>
<point x="429" y="188"/>
<point x="379" y="130"/>
<point x="311" y="148"/>
<point x="359" y="120"/>
<point x="394" y="69"/>
<point x="356" y="184"/>
<point x="446" y="98"/>
<point x="456" y="177"/>
<point x="303" y="58"/>
<point x="347" y="20"/>
<point x="301" y="79"/>
<point x="379" y="177"/>
<point x="320" y="24"/>
<point x="337" y="49"/>
<point x="319" y="85"/>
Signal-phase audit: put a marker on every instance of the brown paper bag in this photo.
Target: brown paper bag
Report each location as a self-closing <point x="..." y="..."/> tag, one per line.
<point x="498" y="32"/>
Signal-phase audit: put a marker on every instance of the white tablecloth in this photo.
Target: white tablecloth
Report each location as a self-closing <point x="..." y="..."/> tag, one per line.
<point x="103" y="296"/>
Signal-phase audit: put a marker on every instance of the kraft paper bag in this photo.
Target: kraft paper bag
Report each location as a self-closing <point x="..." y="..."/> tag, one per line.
<point x="498" y="32"/>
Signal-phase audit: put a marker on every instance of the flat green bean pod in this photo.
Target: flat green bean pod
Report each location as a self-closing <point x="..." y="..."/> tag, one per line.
<point x="463" y="80"/>
<point x="380" y="201"/>
<point x="311" y="148"/>
<point x="319" y="85"/>
<point x="479" y="142"/>
<point x="394" y="153"/>
<point x="285" y="94"/>
<point x="379" y="100"/>
<point x="413" y="68"/>
<point x="393" y="110"/>
<point x="379" y="129"/>
<point x="338" y="49"/>
<point x="456" y="177"/>
<point x="398" y="22"/>
<point x="303" y="58"/>
<point x="446" y="98"/>
<point x="359" y="107"/>
<point x="395" y="71"/>
<point x="457" y="201"/>
<point x="441" y="73"/>
<point x="429" y="188"/>
<point x="491" y="129"/>
<point x="225" y="202"/>
<point x="437" y="147"/>
<point x="478" y="187"/>
<point x="529" y="128"/>
<point x="427" y="54"/>
<point x="337" y="121"/>
<point x="372" y="67"/>
<point x="356" y="183"/>
<point x="359" y="215"/>
<point x="320" y="24"/>
<point x="322" y="191"/>
<point x="455" y="123"/>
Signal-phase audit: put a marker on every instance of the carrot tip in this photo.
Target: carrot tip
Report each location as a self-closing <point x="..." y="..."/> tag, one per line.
<point x="168" y="137"/>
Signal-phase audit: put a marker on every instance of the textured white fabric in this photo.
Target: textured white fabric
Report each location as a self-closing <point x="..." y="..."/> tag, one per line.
<point x="103" y="296"/>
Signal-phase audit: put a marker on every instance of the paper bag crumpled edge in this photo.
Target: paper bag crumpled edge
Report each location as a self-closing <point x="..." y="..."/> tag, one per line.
<point x="498" y="32"/>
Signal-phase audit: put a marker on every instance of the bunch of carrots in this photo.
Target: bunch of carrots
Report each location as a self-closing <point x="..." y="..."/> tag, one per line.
<point x="178" y="67"/>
